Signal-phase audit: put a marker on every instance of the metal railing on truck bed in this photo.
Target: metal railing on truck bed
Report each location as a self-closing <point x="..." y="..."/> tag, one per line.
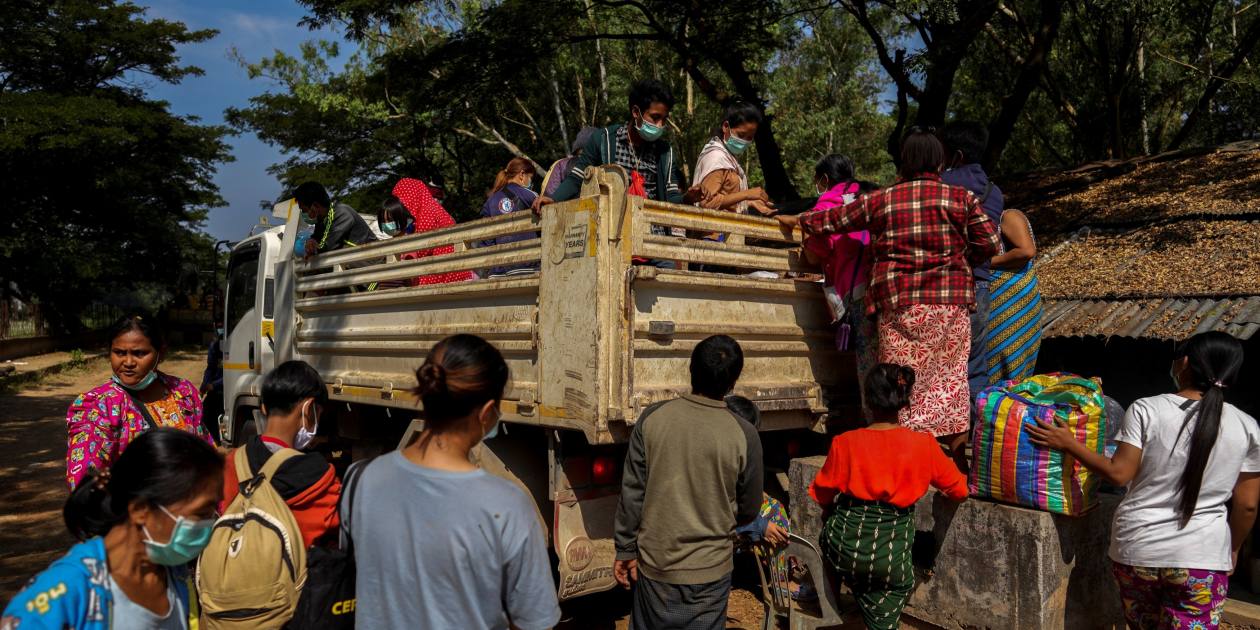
<point x="595" y="335"/>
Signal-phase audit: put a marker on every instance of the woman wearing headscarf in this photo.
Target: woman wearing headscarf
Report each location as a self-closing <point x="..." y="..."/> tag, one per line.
<point x="102" y="422"/>
<point x="429" y="215"/>
<point x="925" y="238"/>
<point x="720" y="180"/>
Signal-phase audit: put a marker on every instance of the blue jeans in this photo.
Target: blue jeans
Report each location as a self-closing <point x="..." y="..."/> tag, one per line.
<point x="977" y="367"/>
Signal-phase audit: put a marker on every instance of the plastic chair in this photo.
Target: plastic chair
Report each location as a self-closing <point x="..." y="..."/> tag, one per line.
<point x="775" y="588"/>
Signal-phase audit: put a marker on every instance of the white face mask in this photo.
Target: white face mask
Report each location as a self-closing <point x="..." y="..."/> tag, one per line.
<point x="304" y="437"/>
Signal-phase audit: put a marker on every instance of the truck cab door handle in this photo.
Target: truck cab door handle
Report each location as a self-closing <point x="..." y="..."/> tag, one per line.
<point x="251" y="355"/>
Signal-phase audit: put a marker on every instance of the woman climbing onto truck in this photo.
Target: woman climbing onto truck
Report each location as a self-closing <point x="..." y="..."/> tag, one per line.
<point x="845" y="260"/>
<point x="868" y="487"/>
<point x="1183" y="456"/>
<point x="439" y="542"/>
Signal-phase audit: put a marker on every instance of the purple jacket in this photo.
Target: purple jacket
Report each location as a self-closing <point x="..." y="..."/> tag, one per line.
<point x="973" y="178"/>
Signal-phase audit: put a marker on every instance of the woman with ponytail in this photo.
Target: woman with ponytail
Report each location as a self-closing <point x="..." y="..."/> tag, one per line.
<point x="141" y="523"/>
<point x="1184" y="456"/>
<point x="868" y="487"/>
<point x="513" y="191"/>
<point x="439" y="542"/>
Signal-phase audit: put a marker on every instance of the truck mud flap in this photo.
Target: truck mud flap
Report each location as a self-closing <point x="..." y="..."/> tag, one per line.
<point x="584" y="544"/>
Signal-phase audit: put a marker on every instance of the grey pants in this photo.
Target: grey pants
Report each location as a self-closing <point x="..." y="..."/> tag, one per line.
<point x="661" y="606"/>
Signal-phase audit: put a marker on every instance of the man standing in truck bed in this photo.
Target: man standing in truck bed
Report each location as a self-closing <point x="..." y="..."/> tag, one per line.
<point x="336" y="226"/>
<point x="693" y="472"/>
<point x="638" y="146"/>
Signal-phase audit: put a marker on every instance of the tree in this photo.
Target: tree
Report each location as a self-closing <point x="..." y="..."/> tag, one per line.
<point x="712" y="44"/>
<point x="104" y="188"/>
<point x="825" y="87"/>
<point x="1243" y="46"/>
<point x="945" y="32"/>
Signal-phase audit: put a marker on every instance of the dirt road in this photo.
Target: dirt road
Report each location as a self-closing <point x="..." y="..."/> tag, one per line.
<point x="32" y="468"/>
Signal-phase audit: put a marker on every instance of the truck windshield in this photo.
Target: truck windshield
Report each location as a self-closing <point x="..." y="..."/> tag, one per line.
<point x="242" y="283"/>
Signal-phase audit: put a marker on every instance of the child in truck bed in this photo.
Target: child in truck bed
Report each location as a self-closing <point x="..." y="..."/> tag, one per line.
<point x="844" y="259"/>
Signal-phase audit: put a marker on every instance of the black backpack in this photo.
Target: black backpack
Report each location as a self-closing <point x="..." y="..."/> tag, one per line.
<point x="328" y="600"/>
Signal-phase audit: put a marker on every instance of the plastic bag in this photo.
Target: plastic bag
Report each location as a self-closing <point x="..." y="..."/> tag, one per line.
<point x="1008" y="467"/>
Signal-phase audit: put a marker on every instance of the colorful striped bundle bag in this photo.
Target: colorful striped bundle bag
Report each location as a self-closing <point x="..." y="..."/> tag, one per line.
<point x="1007" y="467"/>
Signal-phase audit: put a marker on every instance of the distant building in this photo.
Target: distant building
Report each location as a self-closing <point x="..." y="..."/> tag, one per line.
<point x="1135" y="255"/>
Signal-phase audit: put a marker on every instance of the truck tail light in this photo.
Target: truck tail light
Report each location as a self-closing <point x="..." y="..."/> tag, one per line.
<point x="604" y="471"/>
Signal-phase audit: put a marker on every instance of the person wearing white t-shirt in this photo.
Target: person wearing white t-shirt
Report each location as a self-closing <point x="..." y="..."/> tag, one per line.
<point x="1183" y="456"/>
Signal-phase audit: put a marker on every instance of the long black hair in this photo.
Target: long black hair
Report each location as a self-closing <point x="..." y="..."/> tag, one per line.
<point x="1214" y="359"/>
<point x="836" y="167"/>
<point x="162" y="466"/>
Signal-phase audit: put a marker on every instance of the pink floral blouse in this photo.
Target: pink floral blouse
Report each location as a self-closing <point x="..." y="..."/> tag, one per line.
<point x="102" y="422"/>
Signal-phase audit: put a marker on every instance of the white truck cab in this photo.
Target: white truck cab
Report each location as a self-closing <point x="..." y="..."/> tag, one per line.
<point x="249" y="328"/>
<point x="249" y="346"/>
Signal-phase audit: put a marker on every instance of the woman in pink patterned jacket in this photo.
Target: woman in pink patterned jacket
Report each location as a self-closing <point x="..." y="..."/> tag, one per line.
<point x="102" y="422"/>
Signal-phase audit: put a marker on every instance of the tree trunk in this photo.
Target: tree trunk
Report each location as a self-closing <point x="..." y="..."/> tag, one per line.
<point x="1246" y="44"/>
<point x="950" y="45"/>
<point x="1001" y="129"/>
<point x="555" y="96"/>
<point x="1146" y="125"/>
<point x="778" y="182"/>
<point x="602" y="99"/>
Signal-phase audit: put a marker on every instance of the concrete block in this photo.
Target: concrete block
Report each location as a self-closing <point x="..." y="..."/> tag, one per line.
<point x="987" y="565"/>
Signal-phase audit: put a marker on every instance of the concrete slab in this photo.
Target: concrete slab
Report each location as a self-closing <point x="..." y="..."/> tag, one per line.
<point x="987" y="565"/>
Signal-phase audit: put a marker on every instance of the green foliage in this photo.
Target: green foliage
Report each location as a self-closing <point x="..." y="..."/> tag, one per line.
<point x="457" y="88"/>
<point x="824" y="87"/>
<point x="104" y="189"/>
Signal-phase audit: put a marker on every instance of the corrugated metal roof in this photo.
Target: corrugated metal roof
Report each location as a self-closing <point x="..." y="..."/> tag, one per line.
<point x="1160" y="318"/>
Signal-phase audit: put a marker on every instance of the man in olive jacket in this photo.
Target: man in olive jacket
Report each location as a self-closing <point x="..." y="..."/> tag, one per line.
<point x="693" y="473"/>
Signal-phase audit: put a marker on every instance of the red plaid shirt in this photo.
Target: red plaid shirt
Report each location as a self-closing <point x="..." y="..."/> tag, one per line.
<point x="925" y="237"/>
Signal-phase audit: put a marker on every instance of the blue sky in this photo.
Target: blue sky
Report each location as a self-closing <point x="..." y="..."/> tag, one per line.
<point x="256" y="28"/>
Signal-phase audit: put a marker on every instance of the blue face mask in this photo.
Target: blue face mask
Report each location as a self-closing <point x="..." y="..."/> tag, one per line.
<point x="188" y="538"/>
<point x="142" y="385"/>
<point x="649" y="131"/>
<point x="219" y="332"/>
<point x="389" y="227"/>
<point x="494" y="430"/>
<point x="736" y="145"/>
<point x="299" y="243"/>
